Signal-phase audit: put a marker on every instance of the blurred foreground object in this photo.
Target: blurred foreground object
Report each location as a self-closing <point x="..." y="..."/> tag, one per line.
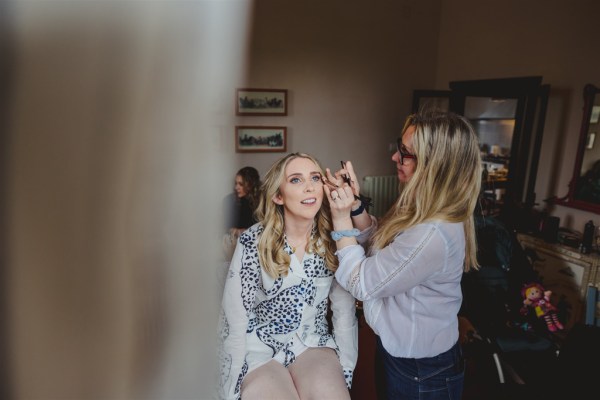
<point x="109" y="160"/>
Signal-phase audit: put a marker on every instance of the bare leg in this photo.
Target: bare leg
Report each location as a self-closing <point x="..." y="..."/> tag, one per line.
<point x="318" y="375"/>
<point x="271" y="381"/>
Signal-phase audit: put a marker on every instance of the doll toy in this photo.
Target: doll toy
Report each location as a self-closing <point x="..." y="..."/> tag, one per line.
<point x="538" y="299"/>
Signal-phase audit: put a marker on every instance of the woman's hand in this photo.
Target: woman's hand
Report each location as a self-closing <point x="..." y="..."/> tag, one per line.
<point x="349" y="171"/>
<point x="340" y="203"/>
<point x="338" y="177"/>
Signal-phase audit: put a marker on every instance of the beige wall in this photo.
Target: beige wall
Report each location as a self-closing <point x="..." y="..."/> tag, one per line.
<point x="350" y="68"/>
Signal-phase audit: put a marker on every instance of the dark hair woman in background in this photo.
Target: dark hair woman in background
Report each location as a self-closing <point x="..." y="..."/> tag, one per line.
<point x="247" y="186"/>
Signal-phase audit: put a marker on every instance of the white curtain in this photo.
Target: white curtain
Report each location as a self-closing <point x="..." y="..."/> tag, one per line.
<point x="119" y="123"/>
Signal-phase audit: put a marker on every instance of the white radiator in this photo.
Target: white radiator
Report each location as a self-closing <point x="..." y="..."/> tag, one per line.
<point x="383" y="190"/>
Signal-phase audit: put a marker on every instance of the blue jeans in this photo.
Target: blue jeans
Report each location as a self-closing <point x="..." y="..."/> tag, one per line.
<point x="433" y="378"/>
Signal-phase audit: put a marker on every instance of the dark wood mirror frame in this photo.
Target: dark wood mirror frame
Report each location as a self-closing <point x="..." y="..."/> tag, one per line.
<point x="570" y="200"/>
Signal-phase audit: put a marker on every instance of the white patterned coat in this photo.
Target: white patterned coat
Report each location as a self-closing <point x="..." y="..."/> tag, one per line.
<point x="262" y="316"/>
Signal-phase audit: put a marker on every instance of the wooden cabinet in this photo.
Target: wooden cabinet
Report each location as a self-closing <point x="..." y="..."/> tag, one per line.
<point x="566" y="272"/>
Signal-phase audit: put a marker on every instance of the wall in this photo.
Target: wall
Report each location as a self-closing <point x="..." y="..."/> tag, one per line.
<point x="554" y="39"/>
<point x="350" y="68"/>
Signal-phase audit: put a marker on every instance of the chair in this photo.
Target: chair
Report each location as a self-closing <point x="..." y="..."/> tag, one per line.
<point x="520" y="348"/>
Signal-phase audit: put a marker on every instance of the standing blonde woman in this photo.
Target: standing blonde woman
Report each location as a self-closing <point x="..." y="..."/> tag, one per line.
<point x="276" y="342"/>
<point x="409" y="281"/>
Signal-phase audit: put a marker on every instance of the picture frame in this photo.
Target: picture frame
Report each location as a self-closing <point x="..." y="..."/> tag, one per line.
<point x="258" y="139"/>
<point x="268" y="102"/>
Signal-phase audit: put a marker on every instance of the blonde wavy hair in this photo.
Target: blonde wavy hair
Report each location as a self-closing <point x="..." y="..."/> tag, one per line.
<point x="446" y="181"/>
<point x="273" y="258"/>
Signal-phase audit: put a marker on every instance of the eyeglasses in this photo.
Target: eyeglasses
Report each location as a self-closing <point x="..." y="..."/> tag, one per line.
<point x="403" y="152"/>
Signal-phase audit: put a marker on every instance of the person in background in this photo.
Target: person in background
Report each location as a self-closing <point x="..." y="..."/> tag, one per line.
<point x="239" y="207"/>
<point x="244" y="200"/>
<point x="409" y="281"/>
<point x="275" y="338"/>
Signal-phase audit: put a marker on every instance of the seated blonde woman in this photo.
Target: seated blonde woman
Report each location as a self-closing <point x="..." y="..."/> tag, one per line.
<point x="275" y="338"/>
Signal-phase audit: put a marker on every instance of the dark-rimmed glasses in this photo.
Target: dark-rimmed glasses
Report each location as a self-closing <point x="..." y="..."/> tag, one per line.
<point x="403" y="152"/>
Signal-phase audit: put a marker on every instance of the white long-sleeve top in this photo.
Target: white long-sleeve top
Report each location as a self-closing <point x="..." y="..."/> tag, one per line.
<point x="411" y="288"/>
<point x="261" y="316"/>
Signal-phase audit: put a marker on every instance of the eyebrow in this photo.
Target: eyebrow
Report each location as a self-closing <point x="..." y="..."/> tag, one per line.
<point x="300" y="174"/>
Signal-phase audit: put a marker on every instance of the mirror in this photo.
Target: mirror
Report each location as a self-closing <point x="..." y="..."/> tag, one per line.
<point x="508" y="115"/>
<point x="584" y="188"/>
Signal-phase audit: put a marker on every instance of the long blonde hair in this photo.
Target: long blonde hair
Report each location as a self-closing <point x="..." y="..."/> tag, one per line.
<point x="273" y="258"/>
<point x="446" y="181"/>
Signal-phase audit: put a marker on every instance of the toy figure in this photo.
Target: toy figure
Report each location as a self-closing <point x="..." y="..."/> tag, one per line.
<point x="539" y="299"/>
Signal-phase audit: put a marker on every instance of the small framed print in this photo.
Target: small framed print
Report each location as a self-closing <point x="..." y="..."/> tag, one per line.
<point x="256" y="139"/>
<point x="271" y="102"/>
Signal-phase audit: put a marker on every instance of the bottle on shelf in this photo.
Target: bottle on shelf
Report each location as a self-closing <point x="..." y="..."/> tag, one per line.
<point x="588" y="237"/>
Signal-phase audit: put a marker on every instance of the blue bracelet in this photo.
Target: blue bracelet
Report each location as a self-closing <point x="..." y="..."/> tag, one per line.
<point x="337" y="235"/>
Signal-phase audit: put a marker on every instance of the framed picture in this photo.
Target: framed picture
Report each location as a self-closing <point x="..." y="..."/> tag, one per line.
<point x="255" y="139"/>
<point x="261" y="102"/>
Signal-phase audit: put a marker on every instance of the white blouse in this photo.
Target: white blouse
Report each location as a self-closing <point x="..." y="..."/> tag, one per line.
<point x="410" y="289"/>
<point x="262" y="316"/>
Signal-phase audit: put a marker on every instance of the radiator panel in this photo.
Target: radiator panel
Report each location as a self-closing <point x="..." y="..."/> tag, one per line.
<point x="383" y="190"/>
